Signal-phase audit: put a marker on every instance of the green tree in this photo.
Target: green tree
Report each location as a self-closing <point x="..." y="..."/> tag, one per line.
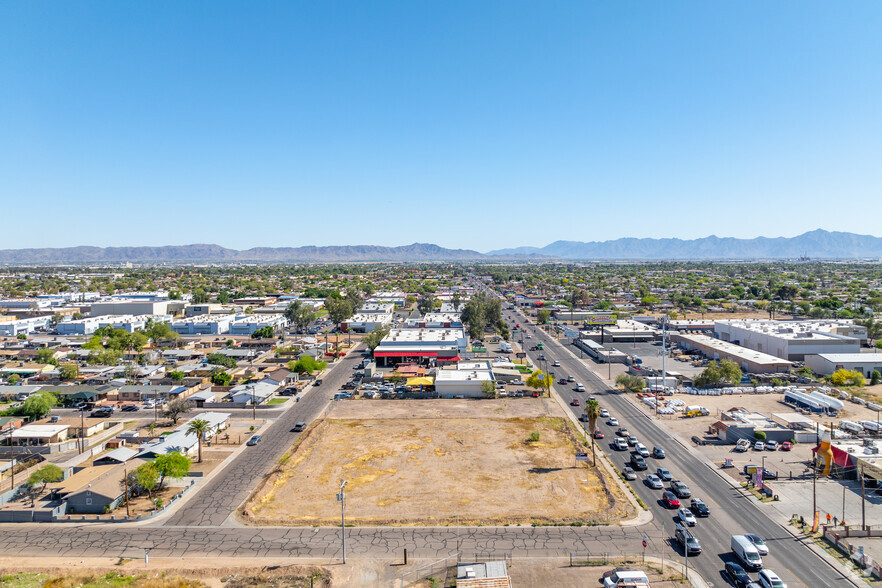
<point x="488" y="388"/>
<point x="46" y="356"/>
<point x="199" y="427"/>
<point x="542" y="316"/>
<point x="760" y="435"/>
<point x="12" y="379"/>
<point x="158" y="331"/>
<point x="540" y="381"/>
<point x="426" y="303"/>
<point x="875" y="378"/>
<point x="199" y="296"/>
<point x="171" y="465"/>
<point x="37" y="405"/>
<point x="592" y="413"/>
<point x="372" y="340"/>
<point x="220" y="359"/>
<point x="630" y="383"/>
<point x="339" y="308"/>
<point x="300" y="315"/>
<point x="223" y="297"/>
<point x="731" y="372"/>
<point x="874" y="328"/>
<point x="144" y="478"/>
<point x="68" y="371"/>
<point x="306" y="364"/>
<point x="46" y="474"/>
<point x="266" y="332"/>
<point x="176" y="375"/>
<point x="221" y="378"/>
<point x="711" y="376"/>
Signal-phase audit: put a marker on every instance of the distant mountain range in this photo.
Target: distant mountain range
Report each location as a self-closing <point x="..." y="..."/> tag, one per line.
<point x="216" y="253"/>
<point x="814" y="244"/>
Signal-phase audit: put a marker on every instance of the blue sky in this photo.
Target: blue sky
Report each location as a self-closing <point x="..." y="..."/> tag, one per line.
<point x="466" y="124"/>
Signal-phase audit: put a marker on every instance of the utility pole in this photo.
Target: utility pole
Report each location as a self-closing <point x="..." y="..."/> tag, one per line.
<point x="126" y="479"/>
<point x="664" y="369"/>
<point x="341" y="497"/>
<point x="253" y="406"/>
<point x="815" y="477"/>
<point x="12" y="456"/>
<point x="82" y="440"/>
<point x="863" y="501"/>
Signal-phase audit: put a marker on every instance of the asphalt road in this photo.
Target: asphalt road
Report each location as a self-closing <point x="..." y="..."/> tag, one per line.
<point x="221" y="496"/>
<point x="731" y="512"/>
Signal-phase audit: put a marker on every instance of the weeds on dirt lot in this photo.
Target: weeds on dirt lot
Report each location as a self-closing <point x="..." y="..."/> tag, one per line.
<point x="110" y="580"/>
<point x="270" y="580"/>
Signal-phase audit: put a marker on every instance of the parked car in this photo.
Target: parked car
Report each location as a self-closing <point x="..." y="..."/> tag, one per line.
<point x="758" y="543"/>
<point x="736" y="575"/>
<point x="769" y="579"/>
<point x="624" y="577"/>
<point x="686" y="517"/>
<point x="342" y="396"/>
<point x="253" y="441"/>
<point x="658" y="452"/>
<point x="699" y="507"/>
<point x="346" y="386"/>
<point x="786" y="446"/>
<point x="629" y="473"/>
<point x="654" y="482"/>
<point x="759" y="446"/>
<point x="680" y="489"/>
<point x="664" y="474"/>
<point x="670" y="499"/>
<point x="771" y="445"/>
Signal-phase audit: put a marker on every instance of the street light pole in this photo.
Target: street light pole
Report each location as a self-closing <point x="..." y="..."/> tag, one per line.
<point x="341" y="497"/>
<point x="253" y="406"/>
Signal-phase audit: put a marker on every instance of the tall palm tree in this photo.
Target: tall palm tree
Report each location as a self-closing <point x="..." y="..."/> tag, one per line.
<point x="199" y="427"/>
<point x="592" y="412"/>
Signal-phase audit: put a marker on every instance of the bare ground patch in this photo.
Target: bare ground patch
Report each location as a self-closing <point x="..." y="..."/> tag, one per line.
<point x="437" y="471"/>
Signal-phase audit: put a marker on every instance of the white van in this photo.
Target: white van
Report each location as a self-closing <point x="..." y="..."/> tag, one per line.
<point x="746" y="553"/>
<point x="625" y="577"/>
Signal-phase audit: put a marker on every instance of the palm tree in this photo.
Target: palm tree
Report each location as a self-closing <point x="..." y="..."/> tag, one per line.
<point x="199" y="427"/>
<point x="592" y="412"/>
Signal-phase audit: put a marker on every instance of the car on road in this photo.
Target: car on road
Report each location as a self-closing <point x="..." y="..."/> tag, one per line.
<point x="629" y="473"/>
<point x="613" y="422"/>
<point x="654" y="482"/>
<point x="699" y="507"/>
<point x="664" y="474"/>
<point x="299" y="427"/>
<point x="637" y="462"/>
<point x="658" y="452"/>
<point x="759" y="446"/>
<point x="317" y="383"/>
<point x="575" y="402"/>
<point x="771" y="445"/>
<point x="620" y="444"/>
<point x="670" y="500"/>
<point x="687" y="540"/>
<point x="253" y="441"/>
<point x="769" y="579"/>
<point x="622" y="432"/>
<point x="583" y="417"/>
<point x="130" y="408"/>
<point x="541" y="357"/>
<point x="604" y="413"/>
<point x="641" y="450"/>
<point x="758" y="543"/>
<point x="556" y="363"/>
<point x="686" y="517"/>
<point x="736" y="575"/>
<point x="562" y="381"/>
<point x="571" y="379"/>
<point x="580" y="387"/>
<point x="786" y="446"/>
<point x="101" y="413"/>
<point x="598" y="434"/>
<point x="680" y="489"/>
<point x="632" y="440"/>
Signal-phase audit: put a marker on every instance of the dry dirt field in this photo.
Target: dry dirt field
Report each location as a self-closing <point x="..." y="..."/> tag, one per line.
<point x="438" y="462"/>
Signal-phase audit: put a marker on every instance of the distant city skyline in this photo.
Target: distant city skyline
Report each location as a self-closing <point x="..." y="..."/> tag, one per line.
<point x="473" y="126"/>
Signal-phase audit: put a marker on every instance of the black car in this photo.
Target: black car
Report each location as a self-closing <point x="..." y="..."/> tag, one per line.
<point x="658" y="452"/>
<point x="349" y="386"/>
<point x="637" y="462"/>
<point x="299" y="427"/>
<point x="736" y="574"/>
<point x="101" y="413"/>
<point x="130" y="408"/>
<point x="699" y="508"/>
<point x="680" y="489"/>
<point x="317" y="383"/>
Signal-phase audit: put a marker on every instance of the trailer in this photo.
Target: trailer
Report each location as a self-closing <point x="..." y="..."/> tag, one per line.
<point x="870" y="426"/>
<point x="851" y="427"/>
<point x="804" y="401"/>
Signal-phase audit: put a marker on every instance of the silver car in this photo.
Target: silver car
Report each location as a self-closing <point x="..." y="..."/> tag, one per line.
<point x="686" y="517"/>
<point x="654" y="482"/>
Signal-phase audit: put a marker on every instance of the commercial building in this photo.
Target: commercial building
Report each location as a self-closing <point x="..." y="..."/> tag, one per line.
<point x="89" y="325"/>
<point x="792" y="340"/>
<point x="426" y="345"/>
<point x="200" y="309"/>
<point x="436" y="320"/>
<point x="396" y="297"/>
<point x="465" y="380"/>
<point x="749" y="360"/>
<point x="25" y="304"/>
<point x="376" y="307"/>
<point x="24" y="325"/>
<point x="826" y="363"/>
<point x="365" y="322"/>
<point x="134" y="307"/>
<point x="203" y="325"/>
<point x="246" y="324"/>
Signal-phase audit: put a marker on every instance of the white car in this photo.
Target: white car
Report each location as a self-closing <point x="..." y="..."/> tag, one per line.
<point x="758" y="542"/>
<point x="759" y="446"/>
<point x="769" y="579"/>
<point x="621" y="444"/>
<point x="686" y="516"/>
<point x="641" y="450"/>
<point x="613" y="422"/>
<point x="654" y="482"/>
<point x="604" y="413"/>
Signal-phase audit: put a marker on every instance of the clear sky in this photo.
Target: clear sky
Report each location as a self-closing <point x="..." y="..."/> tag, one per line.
<point x="468" y="124"/>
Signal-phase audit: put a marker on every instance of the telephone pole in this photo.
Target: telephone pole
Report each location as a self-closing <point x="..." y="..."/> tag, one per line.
<point x="341" y="497"/>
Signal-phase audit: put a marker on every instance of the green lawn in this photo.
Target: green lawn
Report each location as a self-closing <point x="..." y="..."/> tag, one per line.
<point x="278" y="401"/>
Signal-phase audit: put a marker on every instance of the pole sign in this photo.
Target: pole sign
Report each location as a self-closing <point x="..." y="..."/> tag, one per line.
<point x="521" y="355"/>
<point x="581" y="457"/>
<point x="600" y="318"/>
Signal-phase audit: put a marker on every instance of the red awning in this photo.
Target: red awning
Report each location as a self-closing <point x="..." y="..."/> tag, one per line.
<point x="454" y="358"/>
<point x="405" y="354"/>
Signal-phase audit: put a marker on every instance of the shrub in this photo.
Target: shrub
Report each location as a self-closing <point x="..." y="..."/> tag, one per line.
<point x="534" y="437"/>
<point x="759" y="435"/>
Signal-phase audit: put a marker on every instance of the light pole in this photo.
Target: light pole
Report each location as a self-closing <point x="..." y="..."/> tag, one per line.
<point x="341" y="498"/>
<point x="253" y="405"/>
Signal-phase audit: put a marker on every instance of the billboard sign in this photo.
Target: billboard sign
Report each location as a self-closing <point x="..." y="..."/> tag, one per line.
<point x="600" y="318"/>
<point x="581" y="457"/>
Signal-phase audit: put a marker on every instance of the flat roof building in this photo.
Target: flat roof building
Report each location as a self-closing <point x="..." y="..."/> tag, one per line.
<point x="749" y="360"/>
<point x="401" y="345"/>
<point x="365" y="322"/>
<point x="825" y="364"/>
<point x="203" y="325"/>
<point x="792" y="340"/>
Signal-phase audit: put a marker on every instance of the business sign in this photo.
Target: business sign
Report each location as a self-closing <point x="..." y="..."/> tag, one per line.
<point x="600" y="318"/>
<point x="521" y="355"/>
<point x="581" y="457"/>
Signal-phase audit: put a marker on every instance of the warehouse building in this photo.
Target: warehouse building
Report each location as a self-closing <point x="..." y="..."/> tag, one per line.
<point x="365" y="322"/>
<point x="792" y="340"/>
<point x="826" y="363"/>
<point x="749" y="360"/>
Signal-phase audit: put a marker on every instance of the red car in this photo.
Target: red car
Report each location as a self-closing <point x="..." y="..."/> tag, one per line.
<point x="786" y="446"/>
<point x="670" y="500"/>
<point x="598" y="434"/>
<point x="535" y="395"/>
<point x="575" y="402"/>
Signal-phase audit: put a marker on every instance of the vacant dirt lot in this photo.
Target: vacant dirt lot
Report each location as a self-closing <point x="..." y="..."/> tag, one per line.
<point x="438" y="462"/>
